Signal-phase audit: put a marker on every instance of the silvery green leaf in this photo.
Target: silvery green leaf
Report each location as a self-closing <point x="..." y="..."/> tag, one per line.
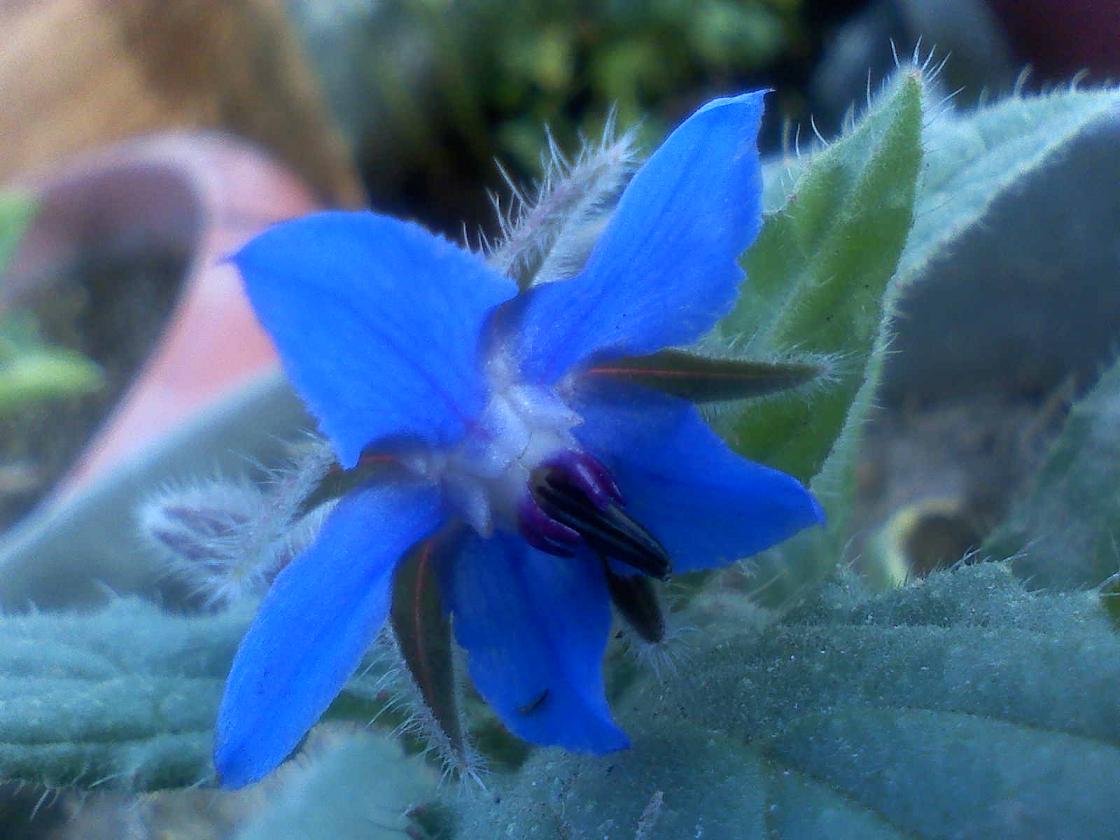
<point x="1015" y="227"/>
<point x="962" y="707"/>
<point x="123" y="698"/>
<point x="975" y="158"/>
<point x="126" y="697"/>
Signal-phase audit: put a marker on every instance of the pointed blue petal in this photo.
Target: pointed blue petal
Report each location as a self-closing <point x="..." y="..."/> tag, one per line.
<point x="535" y="629"/>
<point x="706" y="505"/>
<point x="378" y="323"/>
<point x="666" y="268"/>
<point x="314" y="625"/>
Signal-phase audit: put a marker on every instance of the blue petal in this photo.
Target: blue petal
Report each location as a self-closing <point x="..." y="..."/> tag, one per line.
<point x="666" y="268"/>
<point x="378" y="323"/>
<point x="535" y="629"/>
<point x="317" y="620"/>
<point x="706" y="505"/>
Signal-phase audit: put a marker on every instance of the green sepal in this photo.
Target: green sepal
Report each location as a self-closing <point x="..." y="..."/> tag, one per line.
<point x="707" y="379"/>
<point x="423" y="634"/>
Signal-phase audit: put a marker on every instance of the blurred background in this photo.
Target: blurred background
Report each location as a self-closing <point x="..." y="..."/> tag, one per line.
<point x="140" y="140"/>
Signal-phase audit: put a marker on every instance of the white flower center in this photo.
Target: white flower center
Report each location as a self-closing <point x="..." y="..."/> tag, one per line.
<point x="487" y="475"/>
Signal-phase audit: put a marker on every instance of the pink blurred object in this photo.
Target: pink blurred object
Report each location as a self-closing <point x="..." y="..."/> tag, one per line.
<point x="205" y="192"/>
<point x="1062" y="37"/>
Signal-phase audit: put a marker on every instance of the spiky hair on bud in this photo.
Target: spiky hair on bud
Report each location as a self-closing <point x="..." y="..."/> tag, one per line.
<point x="227" y="539"/>
<point x="549" y="235"/>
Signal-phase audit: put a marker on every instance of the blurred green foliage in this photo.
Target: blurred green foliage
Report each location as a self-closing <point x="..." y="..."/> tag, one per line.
<point x="629" y="55"/>
<point x="431" y="91"/>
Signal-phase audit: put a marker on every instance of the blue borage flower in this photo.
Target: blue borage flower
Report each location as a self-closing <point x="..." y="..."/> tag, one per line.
<point x="569" y="483"/>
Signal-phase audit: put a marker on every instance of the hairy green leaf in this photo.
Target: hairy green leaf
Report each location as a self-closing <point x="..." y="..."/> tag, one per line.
<point x="961" y="707"/>
<point x="976" y="158"/>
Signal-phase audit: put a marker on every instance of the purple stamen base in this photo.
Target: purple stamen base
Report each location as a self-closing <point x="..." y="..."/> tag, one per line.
<point x="543" y="532"/>
<point x="588" y="475"/>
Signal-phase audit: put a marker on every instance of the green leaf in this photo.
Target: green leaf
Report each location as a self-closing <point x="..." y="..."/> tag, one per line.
<point x="31" y="370"/>
<point x="819" y="278"/>
<point x="16" y="212"/>
<point x="361" y="786"/>
<point x="1064" y="531"/>
<point x="930" y="711"/>
<point x="123" y="698"/>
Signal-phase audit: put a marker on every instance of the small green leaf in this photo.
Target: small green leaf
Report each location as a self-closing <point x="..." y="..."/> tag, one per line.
<point x="931" y="711"/>
<point x="31" y="370"/>
<point x="704" y="379"/>
<point x="1064" y="532"/>
<point x="360" y="786"/>
<point x="46" y="373"/>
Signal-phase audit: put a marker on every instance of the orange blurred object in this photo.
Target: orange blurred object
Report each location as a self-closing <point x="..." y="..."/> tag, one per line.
<point x="77" y="75"/>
